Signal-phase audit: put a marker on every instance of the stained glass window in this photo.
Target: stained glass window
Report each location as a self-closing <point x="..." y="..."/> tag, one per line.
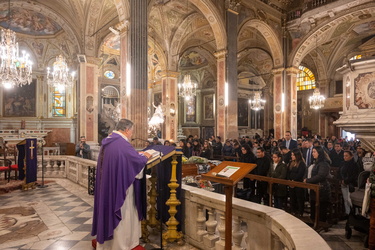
<point x="109" y="74"/>
<point x="305" y="79"/>
<point x="58" y="102"/>
<point x="355" y="57"/>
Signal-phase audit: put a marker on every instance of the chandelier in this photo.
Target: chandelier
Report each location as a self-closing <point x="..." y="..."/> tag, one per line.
<point x="15" y="70"/>
<point x="187" y="89"/>
<point x="60" y="76"/>
<point x="316" y="100"/>
<point x="257" y="103"/>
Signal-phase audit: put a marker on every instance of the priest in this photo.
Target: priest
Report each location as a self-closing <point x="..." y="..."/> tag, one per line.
<point x="117" y="200"/>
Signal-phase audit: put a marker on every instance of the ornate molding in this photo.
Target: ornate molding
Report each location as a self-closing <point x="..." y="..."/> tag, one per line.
<point x="221" y="54"/>
<point x="232" y="5"/>
<point x="169" y="73"/>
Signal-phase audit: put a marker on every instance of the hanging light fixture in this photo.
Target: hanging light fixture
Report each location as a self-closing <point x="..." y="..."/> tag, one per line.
<point x="187" y="89"/>
<point x="257" y="103"/>
<point x="15" y="70"/>
<point x="316" y="100"/>
<point x="60" y="77"/>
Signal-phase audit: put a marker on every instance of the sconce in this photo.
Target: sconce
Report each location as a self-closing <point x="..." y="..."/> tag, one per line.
<point x="172" y="110"/>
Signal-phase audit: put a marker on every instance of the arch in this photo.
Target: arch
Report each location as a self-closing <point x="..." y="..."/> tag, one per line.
<point x="322" y="33"/>
<point x="271" y="38"/>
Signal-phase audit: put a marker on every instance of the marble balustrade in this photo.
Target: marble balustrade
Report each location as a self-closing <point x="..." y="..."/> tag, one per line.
<point x="254" y="226"/>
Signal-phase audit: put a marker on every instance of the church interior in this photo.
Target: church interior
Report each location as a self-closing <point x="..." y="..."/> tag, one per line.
<point x="228" y="68"/>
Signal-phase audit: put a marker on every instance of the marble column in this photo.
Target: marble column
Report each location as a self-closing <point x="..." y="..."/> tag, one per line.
<point x="323" y="118"/>
<point x="232" y="108"/>
<point x="291" y="101"/>
<point x="123" y="27"/>
<point x="170" y="104"/>
<point x="278" y="120"/>
<point x="220" y="121"/>
<point x="88" y="99"/>
<point x="137" y="73"/>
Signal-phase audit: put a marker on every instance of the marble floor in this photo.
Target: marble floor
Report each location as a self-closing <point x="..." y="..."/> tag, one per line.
<point x="59" y="217"/>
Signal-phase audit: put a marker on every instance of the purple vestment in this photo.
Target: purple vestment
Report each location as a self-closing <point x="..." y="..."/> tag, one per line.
<point x="118" y="164"/>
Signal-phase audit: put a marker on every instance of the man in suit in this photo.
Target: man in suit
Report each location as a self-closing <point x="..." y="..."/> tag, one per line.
<point x="307" y="152"/>
<point x="289" y="142"/>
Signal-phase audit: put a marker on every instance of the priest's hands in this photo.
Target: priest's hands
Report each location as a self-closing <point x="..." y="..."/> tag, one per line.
<point x="148" y="156"/>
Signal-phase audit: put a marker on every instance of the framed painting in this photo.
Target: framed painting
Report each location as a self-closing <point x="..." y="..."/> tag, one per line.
<point x="208" y="107"/>
<point x="190" y="110"/>
<point x="20" y="101"/>
<point x="243" y="112"/>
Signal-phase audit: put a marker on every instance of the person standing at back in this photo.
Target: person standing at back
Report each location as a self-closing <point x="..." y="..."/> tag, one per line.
<point x="118" y="202"/>
<point x="83" y="149"/>
<point x="289" y="142"/>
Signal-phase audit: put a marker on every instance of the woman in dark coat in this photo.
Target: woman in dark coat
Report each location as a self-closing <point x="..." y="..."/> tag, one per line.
<point x="247" y="156"/>
<point x="320" y="175"/>
<point x="206" y="150"/>
<point x="278" y="170"/>
<point x="296" y="172"/>
<point x="348" y="176"/>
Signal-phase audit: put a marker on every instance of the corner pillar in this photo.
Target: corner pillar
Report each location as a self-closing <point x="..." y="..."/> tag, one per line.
<point x="291" y="101"/>
<point x="170" y="102"/>
<point x="278" y="121"/>
<point x="88" y="96"/>
<point x="220" y="114"/>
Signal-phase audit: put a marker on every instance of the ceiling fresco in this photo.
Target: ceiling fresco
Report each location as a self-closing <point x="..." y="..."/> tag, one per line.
<point x="112" y="41"/>
<point x="28" y="22"/>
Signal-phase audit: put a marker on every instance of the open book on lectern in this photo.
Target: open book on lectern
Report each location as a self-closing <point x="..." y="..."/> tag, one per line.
<point x="154" y="155"/>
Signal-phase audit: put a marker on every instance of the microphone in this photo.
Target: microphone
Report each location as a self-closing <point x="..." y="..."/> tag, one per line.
<point x="133" y="139"/>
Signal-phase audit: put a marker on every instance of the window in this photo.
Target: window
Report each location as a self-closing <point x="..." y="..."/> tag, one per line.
<point x="109" y="74"/>
<point x="58" y="102"/>
<point x="305" y="79"/>
<point x="357" y="57"/>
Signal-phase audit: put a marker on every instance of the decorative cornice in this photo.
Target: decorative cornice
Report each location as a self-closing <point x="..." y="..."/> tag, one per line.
<point x="123" y="26"/>
<point x="169" y="73"/>
<point x="232" y="5"/>
<point x="292" y="70"/>
<point x="221" y="54"/>
<point x="278" y="71"/>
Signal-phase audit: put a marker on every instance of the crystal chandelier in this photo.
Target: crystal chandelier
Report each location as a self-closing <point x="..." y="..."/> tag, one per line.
<point x="187" y="89"/>
<point x="60" y="76"/>
<point x="316" y="100"/>
<point x="15" y="70"/>
<point x="257" y="103"/>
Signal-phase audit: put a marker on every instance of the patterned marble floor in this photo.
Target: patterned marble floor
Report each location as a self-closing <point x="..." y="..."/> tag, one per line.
<point x="59" y="217"/>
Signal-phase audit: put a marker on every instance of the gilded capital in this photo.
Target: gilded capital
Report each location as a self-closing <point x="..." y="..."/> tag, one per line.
<point x="292" y="70"/>
<point x="278" y="71"/>
<point x="169" y="73"/>
<point x="220" y="54"/>
<point x="123" y="26"/>
<point x="232" y="5"/>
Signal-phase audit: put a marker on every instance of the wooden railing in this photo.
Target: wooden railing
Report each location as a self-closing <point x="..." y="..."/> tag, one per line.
<point x="271" y="181"/>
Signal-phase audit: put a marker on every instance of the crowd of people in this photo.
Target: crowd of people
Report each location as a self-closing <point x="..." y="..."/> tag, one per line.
<point x="312" y="160"/>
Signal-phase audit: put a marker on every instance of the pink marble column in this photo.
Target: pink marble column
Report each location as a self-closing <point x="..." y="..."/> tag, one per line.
<point x="278" y="122"/>
<point x="291" y="101"/>
<point x="88" y="99"/>
<point x="220" y="118"/>
<point x="123" y="62"/>
<point x="170" y="102"/>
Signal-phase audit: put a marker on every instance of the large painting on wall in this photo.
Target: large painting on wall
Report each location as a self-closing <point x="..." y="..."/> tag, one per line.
<point x="243" y="112"/>
<point x="190" y="110"/>
<point x="208" y="107"/>
<point x="20" y="101"/>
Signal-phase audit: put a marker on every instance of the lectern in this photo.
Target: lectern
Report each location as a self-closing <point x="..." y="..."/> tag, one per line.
<point x="27" y="162"/>
<point x="229" y="173"/>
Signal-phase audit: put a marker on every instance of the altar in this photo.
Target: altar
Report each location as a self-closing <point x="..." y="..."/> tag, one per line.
<point x="14" y="136"/>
